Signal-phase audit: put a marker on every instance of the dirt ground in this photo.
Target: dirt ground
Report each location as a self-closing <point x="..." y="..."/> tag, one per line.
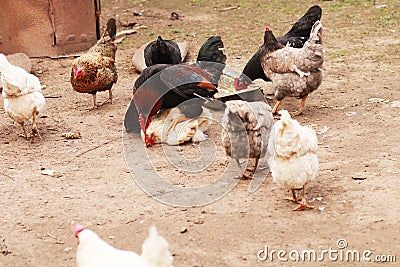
<point x="354" y="112"/>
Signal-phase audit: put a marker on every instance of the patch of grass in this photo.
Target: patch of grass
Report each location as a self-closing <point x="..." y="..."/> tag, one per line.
<point x="338" y="53"/>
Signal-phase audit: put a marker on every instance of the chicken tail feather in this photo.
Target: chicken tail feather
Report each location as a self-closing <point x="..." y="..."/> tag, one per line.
<point x="155" y="249"/>
<point x="111" y="28"/>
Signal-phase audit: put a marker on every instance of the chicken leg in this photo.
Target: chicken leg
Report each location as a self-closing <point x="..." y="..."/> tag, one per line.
<point x="110" y="98"/>
<point x="275" y="109"/>
<point x="34" y="126"/>
<point x="243" y="175"/>
<point x="24" y="129"/>
<point x="303" y="204"/>
<point x="301" y="107"/>
<point x="94" y="103"/>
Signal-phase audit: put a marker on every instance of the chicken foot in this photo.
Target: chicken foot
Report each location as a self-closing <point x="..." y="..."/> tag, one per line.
<point x="301" y="107"/>
<point x="303" y="204"/>
<point x="252" y="170"/>
<point x="110" y="98"/>
<point x="94" y="103"/>
<point x="34" y="129"/>
<point x="293" y="198"/>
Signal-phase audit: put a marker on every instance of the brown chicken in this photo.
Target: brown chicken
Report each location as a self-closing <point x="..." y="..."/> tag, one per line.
<point x="96" y="71"/>
<point x="294" y="72"/>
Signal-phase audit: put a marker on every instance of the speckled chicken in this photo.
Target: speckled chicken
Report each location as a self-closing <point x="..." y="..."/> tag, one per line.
<point x="294" y="72"/>
<point x="23" y="98"/>
<point x="247" y="128"/>
<point x="293" y="156"/>
<point x="96" y="71"/>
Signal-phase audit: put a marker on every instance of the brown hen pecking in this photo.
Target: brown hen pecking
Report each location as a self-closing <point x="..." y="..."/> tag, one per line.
<point x="96" y="71"/>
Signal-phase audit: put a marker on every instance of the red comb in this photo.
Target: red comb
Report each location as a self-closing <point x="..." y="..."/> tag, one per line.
<point x="77" y="229"/>
<point x="267" y="29"/>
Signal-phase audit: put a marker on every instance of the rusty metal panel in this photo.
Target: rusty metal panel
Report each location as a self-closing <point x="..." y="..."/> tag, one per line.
<point x="48" y="27"/>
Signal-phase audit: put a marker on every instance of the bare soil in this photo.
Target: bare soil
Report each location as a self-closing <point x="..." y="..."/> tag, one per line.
<point x="356" y="191"/>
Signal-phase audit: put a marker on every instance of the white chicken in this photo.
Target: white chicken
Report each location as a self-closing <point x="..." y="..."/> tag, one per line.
<point x="94" y="252"/>
<point x="23" y="98"/>
<point x="173" y="128"/>
<point x="293" y="155"/>
<point x="247" y="129"/>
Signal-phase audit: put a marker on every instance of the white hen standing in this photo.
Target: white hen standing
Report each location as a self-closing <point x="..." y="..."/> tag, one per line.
<point x="94" y="252"/>
<point x="22" y="92"/>
<point x="293" y="155"/>
<point x="247" y="128"/>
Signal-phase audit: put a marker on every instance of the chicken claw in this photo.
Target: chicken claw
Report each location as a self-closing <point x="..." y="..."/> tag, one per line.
<point x="301" y="107"/>
<point x="293" y="198"/>
<point x="110" y="98"/>
<point x="303" y="204"/>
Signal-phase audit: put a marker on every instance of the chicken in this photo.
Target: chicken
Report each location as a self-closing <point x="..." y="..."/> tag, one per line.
<point x="293" y="156"/>
<point x="162" y="52"/>
<point x="96" y="71"/>
<point x="166" y="127"/>
<point x="294" y="72"/>
<point x="93" y="251"/>
<point x="247" y="128"/>
<point x="23" y="98"/>
<point x="295" y="37"/>
<point x="165" y="86"/>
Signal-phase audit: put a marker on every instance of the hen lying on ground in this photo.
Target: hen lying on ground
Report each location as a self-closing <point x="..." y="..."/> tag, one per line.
<point x="173" y="128"/>
<point x="295" y="37"/>
<point x="162" y="51"/>
<point x="294" y="72"/>
<point x="23" y="98"/>
<point x="96" y="71"/>
<point x="94" y="252"/>
<point x="165" y="86"/>
<point x="293" y="156"/>
<point x="247" y="129"/>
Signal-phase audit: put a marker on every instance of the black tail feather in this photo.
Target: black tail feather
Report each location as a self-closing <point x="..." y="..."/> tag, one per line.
<point x="111" y="28"/>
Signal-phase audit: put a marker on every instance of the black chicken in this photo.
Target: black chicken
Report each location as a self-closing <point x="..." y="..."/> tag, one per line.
<point x="162" y="51"/>
<point x="295" y="37"/>
<point x="165" y="86"/>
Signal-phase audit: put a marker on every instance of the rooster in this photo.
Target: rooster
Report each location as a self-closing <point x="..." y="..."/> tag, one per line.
<point x="294" y="72"/>
<point x="162" y="52"/>
<point x="293" y="156"/>
<point x="247" y="127"/>
<point x="23" y="98"/>
<point x="96" y="71"/>
<point x="165" y="86"/>
<point x="295" y="37"/>
<point x="93" y="251"/>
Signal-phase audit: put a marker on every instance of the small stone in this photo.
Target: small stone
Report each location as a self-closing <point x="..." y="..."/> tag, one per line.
<point x="183" y="230"/>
